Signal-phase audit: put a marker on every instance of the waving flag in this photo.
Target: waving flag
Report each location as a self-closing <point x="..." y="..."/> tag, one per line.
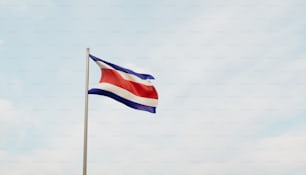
<point x="126" y="86"/>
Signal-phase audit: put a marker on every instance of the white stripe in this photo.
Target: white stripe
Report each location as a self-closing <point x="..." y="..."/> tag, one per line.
<point x="103" y="65"/>
<point x="126" y="76"/>
<point x="127" y="95"/>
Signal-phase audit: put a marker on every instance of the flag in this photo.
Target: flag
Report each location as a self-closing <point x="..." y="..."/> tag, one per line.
<point x="126" y="86"/>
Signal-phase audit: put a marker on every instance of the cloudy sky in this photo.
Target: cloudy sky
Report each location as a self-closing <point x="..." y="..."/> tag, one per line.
<point x="231" y="78"/>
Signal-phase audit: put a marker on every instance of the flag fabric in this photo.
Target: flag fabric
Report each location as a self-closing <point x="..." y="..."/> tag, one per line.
<point x="126" y="86"/>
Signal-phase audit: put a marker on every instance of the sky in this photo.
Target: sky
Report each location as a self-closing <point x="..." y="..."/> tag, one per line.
<point x="231" y="79"/>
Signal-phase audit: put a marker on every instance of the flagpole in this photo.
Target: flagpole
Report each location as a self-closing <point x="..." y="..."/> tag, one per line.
<point x="86" y="114"/>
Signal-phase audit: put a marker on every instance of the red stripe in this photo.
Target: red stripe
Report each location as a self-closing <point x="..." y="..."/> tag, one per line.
<point x="113" y="77"/>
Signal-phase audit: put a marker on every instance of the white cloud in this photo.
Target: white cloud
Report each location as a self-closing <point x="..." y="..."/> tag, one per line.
<point x="287" y="149"/>
<point x="15" y="5"/>
<point x="12" y="83"/>
<point x="275" y="155"/>
<point x="27" y="6"/>
<point x="6" y="110"/>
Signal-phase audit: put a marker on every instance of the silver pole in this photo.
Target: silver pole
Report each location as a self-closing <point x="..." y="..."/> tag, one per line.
<point x="86" y="114"/>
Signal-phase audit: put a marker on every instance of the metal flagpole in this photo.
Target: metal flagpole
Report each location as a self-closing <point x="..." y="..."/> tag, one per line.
<point x="86" y="114"/>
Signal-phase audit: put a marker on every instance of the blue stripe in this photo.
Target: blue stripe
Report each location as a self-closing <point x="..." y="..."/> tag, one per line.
<point x="123" y="100"/>
<point x="142" y="76"/>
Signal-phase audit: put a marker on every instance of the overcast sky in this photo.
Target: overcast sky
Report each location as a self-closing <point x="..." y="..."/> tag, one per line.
<point x="231" y="79"/>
